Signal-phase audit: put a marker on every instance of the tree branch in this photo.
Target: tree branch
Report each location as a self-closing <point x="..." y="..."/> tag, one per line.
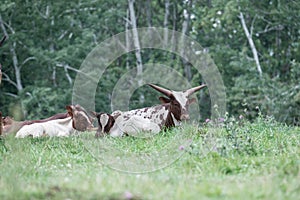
<point x="28" y="59"/>
<point x="136" y="41"/>
<point x="252" y="25"/>
<point x="11" y="94"/>
<point x="251" y="43"/>
<point x="66" y="67"/>
<point x="6" y="78"/>
<point x="18" y="83"/>
<point x="67" y="74"/>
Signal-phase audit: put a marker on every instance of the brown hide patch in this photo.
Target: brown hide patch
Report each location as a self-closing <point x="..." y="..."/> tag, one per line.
<point x="107" y="127"/>
<point x="175" y="108"/>
<point x="169" y="121"/>
<point x="110" y="124"/>
<point x="127" y="117"/>
<point x="7" y="121"/>
<point x="81" y="121"/>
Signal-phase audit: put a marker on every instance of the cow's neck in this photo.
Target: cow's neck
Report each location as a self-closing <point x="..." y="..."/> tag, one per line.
<point x="171" y="121"/>
<point x="12" y="128"/>
<point x="115" y="131"/>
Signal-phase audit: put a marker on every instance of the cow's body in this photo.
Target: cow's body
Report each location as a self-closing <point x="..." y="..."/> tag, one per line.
<point x="57" y="127"/>
<point x="12" y="126"/>
<point x="158" y="114"/>
<point x="77" y="119"/>
<point x="153" y="119"/>
<point x="120" y="123"/>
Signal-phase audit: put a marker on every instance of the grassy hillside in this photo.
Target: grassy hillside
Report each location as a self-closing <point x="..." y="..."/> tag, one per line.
<point x="236" y="160"/>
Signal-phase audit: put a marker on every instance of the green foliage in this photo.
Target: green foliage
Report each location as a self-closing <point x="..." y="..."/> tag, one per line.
<point x="270" y="96"/>
<point x="45" y="101"/>
<point x="47" y="36"/>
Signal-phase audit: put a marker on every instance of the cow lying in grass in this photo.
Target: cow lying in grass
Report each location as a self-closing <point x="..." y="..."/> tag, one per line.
<point x="114" y="124"/>
<point x="77" y="119"/>
<point x="11" y="126"/>
<point x="170" y="113"/>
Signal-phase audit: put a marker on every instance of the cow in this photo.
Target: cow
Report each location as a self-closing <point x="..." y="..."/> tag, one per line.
<point x="11" y="126"/>
<point x="114" y="125"/>
<point x="78" y="119"/>
<point x="82" y="118"/>
<point x="171" y="112"/>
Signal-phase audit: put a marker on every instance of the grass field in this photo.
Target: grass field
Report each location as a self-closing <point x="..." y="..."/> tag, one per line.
<point x="236" y="160"/>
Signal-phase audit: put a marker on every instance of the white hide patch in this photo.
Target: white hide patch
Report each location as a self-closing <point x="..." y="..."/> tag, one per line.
<point x="182" y="98"/>
<point x="58" y="127"/>
<point x="133" y="122"/>
<point x="176" y="123"/>
<point x="103" y="121"/>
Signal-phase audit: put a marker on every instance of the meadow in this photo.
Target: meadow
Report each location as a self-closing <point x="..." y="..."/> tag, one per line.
<point x="237" y="159"/>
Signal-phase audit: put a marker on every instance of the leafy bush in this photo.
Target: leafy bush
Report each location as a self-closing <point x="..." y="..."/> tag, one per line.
<point x="42" y="102"/>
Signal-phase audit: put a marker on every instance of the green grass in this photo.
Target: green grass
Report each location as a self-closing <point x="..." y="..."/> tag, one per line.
<point x="236" y="160"/>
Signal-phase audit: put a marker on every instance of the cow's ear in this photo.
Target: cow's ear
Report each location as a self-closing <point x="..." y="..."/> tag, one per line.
<point x="164" y="100"/>
<point x="94" y="114"/>
<point x="192" y="100"/>
<point x="70" y="110"/>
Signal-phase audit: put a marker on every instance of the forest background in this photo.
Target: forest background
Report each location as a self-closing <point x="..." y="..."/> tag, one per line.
<point x="254" y="44"/>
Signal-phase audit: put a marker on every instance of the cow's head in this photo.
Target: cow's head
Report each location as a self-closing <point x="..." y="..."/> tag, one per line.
<point x="82" y="121"/>
<point x="105" y="123"/>
<point x="179" y="101"/>
<point x="7" y="124"/>
<point x="7" y="121"/>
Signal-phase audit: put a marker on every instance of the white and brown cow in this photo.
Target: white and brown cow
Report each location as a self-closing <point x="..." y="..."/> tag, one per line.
<point x="10" y="126"/>
<point x="115" y="125"/>
<point x="78" y="119"/>
<point x="170" y="113"/>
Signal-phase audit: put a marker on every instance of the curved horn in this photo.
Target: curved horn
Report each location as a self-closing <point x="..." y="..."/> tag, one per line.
<point x="195" y="89"/>
<point x="166" y="92"/>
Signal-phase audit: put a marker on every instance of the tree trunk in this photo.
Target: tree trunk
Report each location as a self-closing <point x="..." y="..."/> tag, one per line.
<point x="1" y="42"/>
<point x="251" y="43"/>
<point x="173" y="42"/>
<point x="167" y="3"/>
<point x="148" y="12"/>
<point x="185" y="28"/>
<point x="136" y="43"/>
<point x="127" y="36"/>
<point x="17" y="68"/>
